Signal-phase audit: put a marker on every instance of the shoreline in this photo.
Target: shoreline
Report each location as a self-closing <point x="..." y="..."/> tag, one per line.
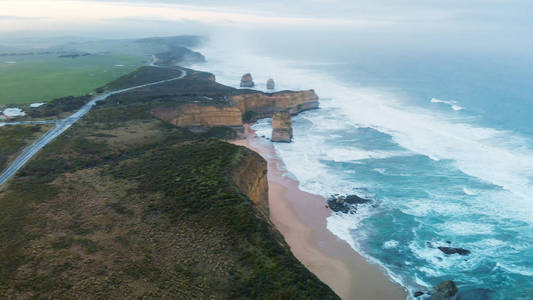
<point x="301" y="219"/>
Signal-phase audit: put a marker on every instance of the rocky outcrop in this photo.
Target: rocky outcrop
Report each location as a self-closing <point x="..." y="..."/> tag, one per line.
<point x="446" y="290"/>
<point x="345" y="204"/>
<point x="452" y="250"/>
<point x="270" y="84"/>
<point x="251" y="179"/>
<point x="281" y="127"/>
<point x="195" y="115"/>
<point x="257" y="105"/>
<point x="247" y="80"/>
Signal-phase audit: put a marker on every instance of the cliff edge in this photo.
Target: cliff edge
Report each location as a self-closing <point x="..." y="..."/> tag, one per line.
<point x="257" y="105"/>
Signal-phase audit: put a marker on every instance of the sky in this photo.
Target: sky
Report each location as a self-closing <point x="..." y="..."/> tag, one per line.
<point x="472" y="23"/>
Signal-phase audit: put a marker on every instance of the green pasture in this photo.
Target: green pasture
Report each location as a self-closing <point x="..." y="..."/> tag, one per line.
<point x="42" y="78"/>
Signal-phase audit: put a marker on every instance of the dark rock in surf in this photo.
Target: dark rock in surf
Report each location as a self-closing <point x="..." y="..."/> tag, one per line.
<point x="418" y="294"/>
<point x="346" y="204"/>
<point x="446" y="290"/>
<point x="451" y="250"/>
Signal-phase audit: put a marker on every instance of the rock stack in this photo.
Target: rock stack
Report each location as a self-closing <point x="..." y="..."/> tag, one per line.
<point x="270" y="84"/>
<point x="282" y="127"/>
<point x="247" y="80"/>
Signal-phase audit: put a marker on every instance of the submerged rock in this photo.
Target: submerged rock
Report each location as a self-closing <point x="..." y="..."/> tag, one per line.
<point x="270" y="84"/>
<point x="418" y="294"/>
<point x="451" y="250"/>
<point x="346" y="204"/>
<point x="446" y="290"/>
<point x="282" y="127"/>
<point x="247" y="80"/>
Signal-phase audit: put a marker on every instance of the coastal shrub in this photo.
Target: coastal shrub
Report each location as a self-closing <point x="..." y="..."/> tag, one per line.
<point x="13" y="139"/>
<point x="143" y="75"/>
<point x="220" y="132"/>
<point x="58" y="106"/>
<point x="195" y="179"/>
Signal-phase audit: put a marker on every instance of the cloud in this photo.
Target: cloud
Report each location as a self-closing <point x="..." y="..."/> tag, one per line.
<point x="9" y="17"/>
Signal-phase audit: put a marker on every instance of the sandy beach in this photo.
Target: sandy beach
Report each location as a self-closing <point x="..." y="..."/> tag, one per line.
<point x="301" y="218"/>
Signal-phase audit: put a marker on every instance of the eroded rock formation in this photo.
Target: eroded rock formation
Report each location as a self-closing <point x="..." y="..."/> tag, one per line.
<point x="282" y="127"/>
<point x="270" y="84"/>
<point x="263" y="105"/>
<point x="195" y="115"/>
<point x="247" y="80"/>
<point x="346" y="204"/>
<point x="251" y="179"/>
<point x="452" y="250"/>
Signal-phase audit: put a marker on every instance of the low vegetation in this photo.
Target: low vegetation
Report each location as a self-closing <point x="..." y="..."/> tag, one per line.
<point x="58" y="106"/>
<point x="123" y="205"/>
<point x="15" y="138"/>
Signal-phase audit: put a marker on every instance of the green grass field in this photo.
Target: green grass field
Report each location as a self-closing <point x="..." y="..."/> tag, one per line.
<point x="45" y="77"/>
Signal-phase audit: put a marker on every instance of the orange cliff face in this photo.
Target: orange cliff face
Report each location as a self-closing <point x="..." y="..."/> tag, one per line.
<point x="251" y="179"/>
<point x="246" y="107"/>
<point x="263" y="105"/>
<point x="195" y="115"/>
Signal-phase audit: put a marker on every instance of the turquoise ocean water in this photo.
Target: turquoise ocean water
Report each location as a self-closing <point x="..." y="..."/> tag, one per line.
<point x="442" y="145"/>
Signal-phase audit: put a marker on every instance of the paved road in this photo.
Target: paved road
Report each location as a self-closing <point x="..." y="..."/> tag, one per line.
<point x="61" y="126"/>
<point x="42" y="122"/>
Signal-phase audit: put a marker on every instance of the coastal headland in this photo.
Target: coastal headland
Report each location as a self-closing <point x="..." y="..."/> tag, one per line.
<point x="142" y="197"/>
<point x="125" y="205"/>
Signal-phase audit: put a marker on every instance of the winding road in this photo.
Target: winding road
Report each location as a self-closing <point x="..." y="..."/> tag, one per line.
<point x="62" y="125"/>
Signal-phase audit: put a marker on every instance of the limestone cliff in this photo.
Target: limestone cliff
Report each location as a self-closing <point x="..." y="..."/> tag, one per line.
<point x="281" y="127"/>
<point x="256" y="105"/>
<point x="195" y="115"/>
<point x="251" y="179"/>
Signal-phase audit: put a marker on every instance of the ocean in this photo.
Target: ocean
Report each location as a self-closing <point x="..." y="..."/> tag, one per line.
<point x="442" y="144"/>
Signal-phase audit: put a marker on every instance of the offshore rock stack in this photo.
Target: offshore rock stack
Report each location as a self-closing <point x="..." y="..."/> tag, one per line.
<point x="247" y="80"/>
<point x="282" y="127"/>
<point x="270" y="84"/>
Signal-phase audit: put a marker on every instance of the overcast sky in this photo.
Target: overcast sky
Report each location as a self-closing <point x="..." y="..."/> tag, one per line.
<point x="478" y="22"/>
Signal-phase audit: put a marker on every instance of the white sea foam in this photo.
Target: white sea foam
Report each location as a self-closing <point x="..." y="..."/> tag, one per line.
<point x="380" y="171"/>
<point x="485" y="153"/>
<point x="390" y="244"/>
<point x="451" y="103"/>
<point x="469" y="192"/>
<point x="430" y="272"/>
<point x="466" y="228"/>
<point x="38" y="104"/>
<point x="481" y="152"/>
<point x="345" y="154"/>
<point x="516" y="269"/>
<point x="488" y="154"/>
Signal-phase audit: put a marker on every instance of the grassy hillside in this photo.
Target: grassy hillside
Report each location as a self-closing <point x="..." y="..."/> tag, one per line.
<point x="40" y="76"/>
<point x="125" y="206"/>
<point x="45" y="77"/>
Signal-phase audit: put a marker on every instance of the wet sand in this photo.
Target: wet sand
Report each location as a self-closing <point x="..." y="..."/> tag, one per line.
<point x="301" y="218"/>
